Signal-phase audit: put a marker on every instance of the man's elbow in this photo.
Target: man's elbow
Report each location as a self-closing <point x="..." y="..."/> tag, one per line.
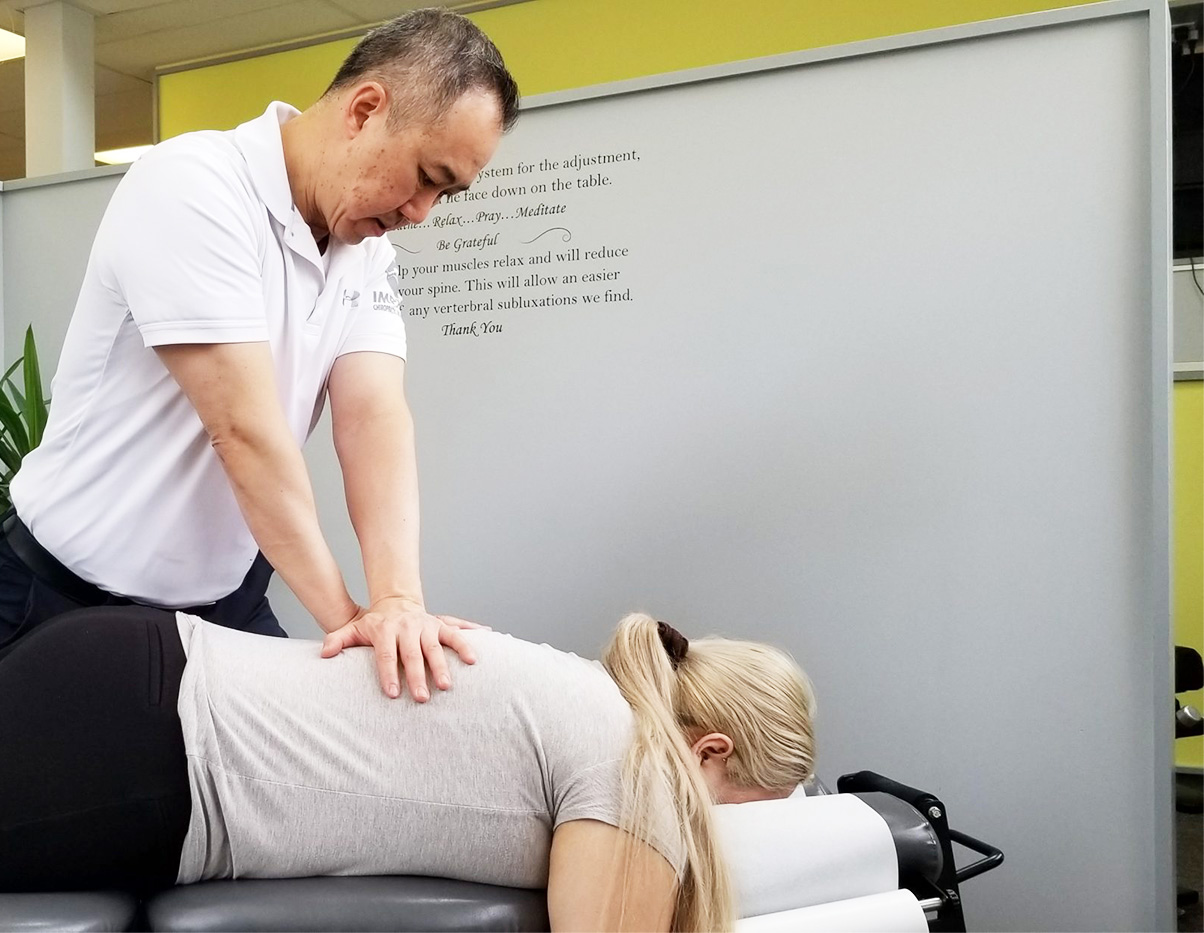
<point x="237" y="441"/>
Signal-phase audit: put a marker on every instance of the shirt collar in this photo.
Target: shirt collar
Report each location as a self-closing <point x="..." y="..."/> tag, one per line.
<point x="260" y="143"/>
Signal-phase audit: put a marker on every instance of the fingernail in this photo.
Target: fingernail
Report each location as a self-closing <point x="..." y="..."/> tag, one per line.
<point x="421" y="696"/>
<point x="443" y="683"/>
<point x="394" y="690"/>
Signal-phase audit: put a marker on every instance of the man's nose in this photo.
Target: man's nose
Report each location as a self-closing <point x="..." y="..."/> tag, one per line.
<point x="416" y="209"/>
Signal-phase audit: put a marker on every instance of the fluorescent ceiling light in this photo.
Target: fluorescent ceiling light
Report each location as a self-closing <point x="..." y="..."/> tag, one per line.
<point x="11" y="45"/>
<point x="121" y="156"/>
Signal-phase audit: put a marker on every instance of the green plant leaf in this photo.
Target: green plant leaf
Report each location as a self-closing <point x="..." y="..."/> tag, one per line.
<point x="18" y="398"/>
<point x="22" y="414"/>
<point x="10" y="418"/>
<point x="10" y="456"/>
<point x="12" y="369"/>
<point x="35" y="402"/>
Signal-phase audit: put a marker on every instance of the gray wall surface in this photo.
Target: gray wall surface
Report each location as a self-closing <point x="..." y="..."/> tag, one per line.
<point x="47" y="232"/>
<point x="872" y="382"/>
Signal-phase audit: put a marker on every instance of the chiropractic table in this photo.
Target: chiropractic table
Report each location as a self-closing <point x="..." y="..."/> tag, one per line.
<point x="877" y="856"/>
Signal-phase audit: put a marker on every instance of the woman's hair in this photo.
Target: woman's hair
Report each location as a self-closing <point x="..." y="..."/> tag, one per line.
<point x="751" y="692"/>
<point x="430" y="59"/>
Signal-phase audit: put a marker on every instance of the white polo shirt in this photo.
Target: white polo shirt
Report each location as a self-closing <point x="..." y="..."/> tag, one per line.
<point x="201" y="243"/>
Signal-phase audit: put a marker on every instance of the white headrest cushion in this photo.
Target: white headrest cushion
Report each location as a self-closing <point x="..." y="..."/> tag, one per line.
<point x="892" y="912"/>
<point x="801" y="851"/>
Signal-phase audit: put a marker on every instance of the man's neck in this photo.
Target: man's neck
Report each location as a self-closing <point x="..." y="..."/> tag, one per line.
<point x="303" y="155"/>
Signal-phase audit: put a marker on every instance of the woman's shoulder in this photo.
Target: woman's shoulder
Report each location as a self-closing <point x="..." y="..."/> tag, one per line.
<point x="538" y="663"/>
<point x="571" y="700"/>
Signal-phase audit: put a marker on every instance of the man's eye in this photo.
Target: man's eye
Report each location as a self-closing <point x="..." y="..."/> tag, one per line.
<point x="424" y="179"/>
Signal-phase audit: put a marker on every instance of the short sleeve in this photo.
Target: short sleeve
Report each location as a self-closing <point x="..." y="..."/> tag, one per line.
<point x="378" y="323"/>
<point x="596" y="794"/>
<point x="181" y="244"/>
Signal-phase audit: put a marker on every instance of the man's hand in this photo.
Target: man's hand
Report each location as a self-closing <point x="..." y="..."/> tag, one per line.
<point x="402" y="630"/>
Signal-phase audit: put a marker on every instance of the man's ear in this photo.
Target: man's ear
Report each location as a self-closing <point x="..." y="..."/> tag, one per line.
<point x="364" y="100"/>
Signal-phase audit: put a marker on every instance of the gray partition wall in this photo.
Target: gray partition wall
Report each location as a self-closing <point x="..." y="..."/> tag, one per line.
<point x="46" y="231"/>
<point x="862" y="351"/>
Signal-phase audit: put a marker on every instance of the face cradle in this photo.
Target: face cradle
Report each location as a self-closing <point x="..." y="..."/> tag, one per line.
<point x="391" y="178"/>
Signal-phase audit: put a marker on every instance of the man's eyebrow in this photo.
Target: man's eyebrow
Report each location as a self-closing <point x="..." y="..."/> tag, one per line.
<point x="450" y="179"/>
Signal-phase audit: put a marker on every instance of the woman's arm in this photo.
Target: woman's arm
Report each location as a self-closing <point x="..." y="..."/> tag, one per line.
<point x="586" y="889"/>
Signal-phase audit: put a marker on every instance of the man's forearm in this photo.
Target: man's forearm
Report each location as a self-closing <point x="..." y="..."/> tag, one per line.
<point x="233" y="389"/>
<point x="374" y="438"/>
<point x="379" y="467"/>
<point x="267" y="473"/>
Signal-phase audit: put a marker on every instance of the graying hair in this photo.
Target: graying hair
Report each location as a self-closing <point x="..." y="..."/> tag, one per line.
<point x="429" y="59"/>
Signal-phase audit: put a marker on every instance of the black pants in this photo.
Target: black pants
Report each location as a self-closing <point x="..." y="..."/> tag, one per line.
<point x="93" y="777"/>
<point x="26" y="601"/>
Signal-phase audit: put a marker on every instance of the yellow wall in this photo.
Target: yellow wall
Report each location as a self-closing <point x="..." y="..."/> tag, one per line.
<point x="551" y="45"/>
<point x="219" y="97"/>
<point x="1188" y="546"/>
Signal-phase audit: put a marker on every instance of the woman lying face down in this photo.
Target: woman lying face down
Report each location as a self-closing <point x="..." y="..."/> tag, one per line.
<point x="144" y="748"/>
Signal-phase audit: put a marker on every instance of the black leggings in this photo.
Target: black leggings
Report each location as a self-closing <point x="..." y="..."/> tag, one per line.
<point x="93" y="776"/>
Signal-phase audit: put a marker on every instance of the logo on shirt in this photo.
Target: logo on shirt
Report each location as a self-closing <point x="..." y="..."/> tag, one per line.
<point x="351" y="298"/>
<point x="388" y="299"/>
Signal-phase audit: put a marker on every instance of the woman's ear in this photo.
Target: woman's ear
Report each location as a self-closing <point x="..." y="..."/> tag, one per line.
<point x="713" y="745"/>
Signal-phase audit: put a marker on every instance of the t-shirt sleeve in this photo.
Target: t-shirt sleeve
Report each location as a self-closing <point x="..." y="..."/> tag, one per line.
<point x="595" y="793"/>
<point x="378" y="323"/>
<point x="181" y="244"/>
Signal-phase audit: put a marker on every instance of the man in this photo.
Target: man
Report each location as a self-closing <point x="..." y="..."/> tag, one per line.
<point x="236" y="281"/>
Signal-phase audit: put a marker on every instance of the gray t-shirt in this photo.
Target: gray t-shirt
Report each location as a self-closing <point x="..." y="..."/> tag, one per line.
<point x="301" y="766"/>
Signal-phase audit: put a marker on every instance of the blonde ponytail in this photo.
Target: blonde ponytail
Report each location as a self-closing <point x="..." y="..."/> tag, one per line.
<point x="636" y="660"/>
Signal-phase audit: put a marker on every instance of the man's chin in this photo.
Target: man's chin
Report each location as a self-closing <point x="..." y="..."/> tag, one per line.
<point x="350" y="238"/>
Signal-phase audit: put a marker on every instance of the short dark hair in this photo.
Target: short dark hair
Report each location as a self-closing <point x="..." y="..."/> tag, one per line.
<point x="429" y="59"/>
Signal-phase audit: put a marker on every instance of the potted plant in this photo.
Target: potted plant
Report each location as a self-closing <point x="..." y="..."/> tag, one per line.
<point x="22" y="415"/>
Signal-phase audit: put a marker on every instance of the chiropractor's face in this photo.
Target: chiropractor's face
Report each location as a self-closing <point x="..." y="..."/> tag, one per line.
<point x="392" y="177"/>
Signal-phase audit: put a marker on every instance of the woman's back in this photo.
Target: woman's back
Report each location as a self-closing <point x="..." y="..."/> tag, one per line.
<point x="300" y="766"/>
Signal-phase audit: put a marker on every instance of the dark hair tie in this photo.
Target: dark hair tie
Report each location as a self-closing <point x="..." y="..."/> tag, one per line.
<point x="675" y="643"/>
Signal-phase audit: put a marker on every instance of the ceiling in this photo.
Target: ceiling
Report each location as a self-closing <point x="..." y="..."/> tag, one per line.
<point x="134" y="37"/>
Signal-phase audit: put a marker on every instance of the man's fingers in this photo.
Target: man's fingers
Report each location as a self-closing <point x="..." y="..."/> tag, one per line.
<point x="435" y="659"/>
<point x="337" y="640"/>
<point x="454" y="639"/>
<point x="463" y="623"/>
<point x="414" y="664"/>
<point x="386" y="665"/>
<point x="405" y="647"/>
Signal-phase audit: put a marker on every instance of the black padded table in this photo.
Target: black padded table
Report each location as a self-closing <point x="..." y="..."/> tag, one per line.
<point x="371" y="904"/>
<point x="70" y="912"/>
<point x="400" y="903"/>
